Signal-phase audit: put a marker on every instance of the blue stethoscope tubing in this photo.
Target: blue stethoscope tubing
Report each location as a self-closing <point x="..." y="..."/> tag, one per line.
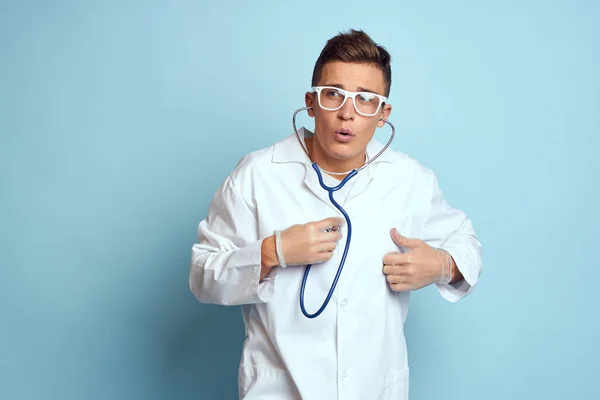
<point x="349" y="236"/>
<point x="330" y="190"/>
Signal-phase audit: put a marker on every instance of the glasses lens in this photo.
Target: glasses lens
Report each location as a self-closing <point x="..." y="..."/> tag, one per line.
<point x="331" y="98"/>
<point x="367" y="103"/>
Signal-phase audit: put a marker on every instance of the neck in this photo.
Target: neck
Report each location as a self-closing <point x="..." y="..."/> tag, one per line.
<point x="318" y="156"/>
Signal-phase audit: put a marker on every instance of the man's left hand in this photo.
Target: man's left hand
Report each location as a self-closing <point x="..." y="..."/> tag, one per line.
<point x="420" y="266"/>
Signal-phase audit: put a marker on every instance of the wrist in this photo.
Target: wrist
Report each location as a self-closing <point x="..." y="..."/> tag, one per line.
<point x="444" y="265"/>
<point x="268" y="255"/>
<point x="455" y="274"/>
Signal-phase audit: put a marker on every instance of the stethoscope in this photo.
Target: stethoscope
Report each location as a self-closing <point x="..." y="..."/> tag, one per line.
<point x="330" y="190"/>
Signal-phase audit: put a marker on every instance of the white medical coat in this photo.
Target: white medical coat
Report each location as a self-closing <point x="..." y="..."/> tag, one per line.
<point x="356" y="348"/>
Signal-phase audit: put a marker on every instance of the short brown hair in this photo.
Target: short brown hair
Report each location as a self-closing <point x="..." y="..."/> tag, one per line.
<point x="355" y="46"/>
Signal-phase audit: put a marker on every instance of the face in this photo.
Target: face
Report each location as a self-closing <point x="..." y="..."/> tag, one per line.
<point x="331" y="148"/>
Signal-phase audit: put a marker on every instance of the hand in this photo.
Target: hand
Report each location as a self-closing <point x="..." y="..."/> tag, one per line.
<point x="421" y="266"/>
<point x="309" y="243"/>
<point x="304" y="244"/>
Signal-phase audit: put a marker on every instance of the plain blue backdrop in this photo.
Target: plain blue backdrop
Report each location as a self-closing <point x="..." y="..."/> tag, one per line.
<point x="119" y="120"/>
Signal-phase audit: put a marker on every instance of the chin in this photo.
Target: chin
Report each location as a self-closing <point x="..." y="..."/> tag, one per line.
<point x="342" y="154"/>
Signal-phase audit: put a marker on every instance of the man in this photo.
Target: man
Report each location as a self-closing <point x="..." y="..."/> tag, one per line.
<point x="271" y="218"/>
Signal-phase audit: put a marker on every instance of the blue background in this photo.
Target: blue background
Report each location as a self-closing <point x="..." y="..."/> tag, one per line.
<point x="119" y="120"/>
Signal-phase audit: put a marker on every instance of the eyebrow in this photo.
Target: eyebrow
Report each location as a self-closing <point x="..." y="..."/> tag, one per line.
<point x="360" y="89"/>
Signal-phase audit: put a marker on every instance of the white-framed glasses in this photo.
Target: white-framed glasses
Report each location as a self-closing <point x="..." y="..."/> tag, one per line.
<point x="332" y="98"/>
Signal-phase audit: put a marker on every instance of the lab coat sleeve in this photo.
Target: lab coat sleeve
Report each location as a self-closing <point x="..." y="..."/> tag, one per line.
<point x="450" y="229"/>
<point x="226" y="261"/>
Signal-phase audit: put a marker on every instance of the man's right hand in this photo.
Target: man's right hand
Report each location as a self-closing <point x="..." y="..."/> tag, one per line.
<point x="303" y="244"/>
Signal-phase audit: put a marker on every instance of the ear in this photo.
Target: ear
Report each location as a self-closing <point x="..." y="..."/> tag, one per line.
<point x="385" y="114"/>
<point x="309" y="100"/>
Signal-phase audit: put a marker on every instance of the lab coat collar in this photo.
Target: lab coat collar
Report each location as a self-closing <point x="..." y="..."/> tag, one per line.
<point x="289" y="150"/>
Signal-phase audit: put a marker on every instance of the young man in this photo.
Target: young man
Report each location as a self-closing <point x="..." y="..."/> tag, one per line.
<point x="271" y="218"/>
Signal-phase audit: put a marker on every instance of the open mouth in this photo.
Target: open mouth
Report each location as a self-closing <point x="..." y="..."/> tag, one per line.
<point x="344" y="135"/>
<point x="345" y="132"/>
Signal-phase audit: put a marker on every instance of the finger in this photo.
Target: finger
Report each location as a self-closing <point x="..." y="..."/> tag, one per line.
<point x="397" y="258"/>
<point x="400" y="287"/>
<point x="396" y="270"/>
<point x="323" y="256"/>
<point x="329" y="222"/>
<point x="325" y="237"/>
<point x="396" y="279"/>
<point x="327" y="247"/>
<point x="404" y="241"/>
<point x="332" y="236"/>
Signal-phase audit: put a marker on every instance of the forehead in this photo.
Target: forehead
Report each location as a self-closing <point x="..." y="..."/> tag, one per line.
<point x="353" y="76"/>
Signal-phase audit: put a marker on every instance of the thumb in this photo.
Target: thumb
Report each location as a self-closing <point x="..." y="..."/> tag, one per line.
<point x="403" y="240"/>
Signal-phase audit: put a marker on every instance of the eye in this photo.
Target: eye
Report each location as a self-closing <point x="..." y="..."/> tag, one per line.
<point x="366" y="97"/>
<point x="332" y="93"/>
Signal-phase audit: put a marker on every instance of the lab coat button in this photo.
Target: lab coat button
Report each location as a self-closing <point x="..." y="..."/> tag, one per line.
<point x="343" y="377"/>
<point x="344" y="303"/>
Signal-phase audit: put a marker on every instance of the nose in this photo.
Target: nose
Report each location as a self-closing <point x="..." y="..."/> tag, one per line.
<point x="347" y="112"/>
